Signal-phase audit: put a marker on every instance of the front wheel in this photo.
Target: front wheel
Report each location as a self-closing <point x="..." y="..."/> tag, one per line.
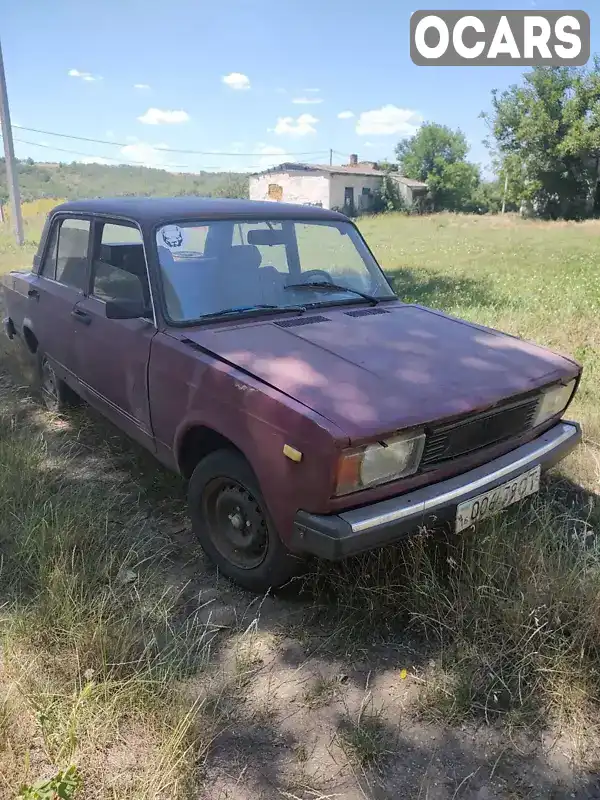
<point x="229" y="518"/>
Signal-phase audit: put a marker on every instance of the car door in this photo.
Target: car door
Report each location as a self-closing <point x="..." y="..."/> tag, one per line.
<point x="112" y="354"/>
<point x="61" y="282"/>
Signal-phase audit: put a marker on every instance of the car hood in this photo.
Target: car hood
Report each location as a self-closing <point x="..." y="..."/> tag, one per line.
<point x="381" y="369"/>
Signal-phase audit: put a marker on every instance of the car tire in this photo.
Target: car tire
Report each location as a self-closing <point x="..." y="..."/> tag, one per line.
<point x="54" y="392"/>
<point x="230" y="519"/>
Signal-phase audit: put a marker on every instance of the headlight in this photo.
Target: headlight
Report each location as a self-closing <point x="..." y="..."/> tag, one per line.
<point x="553" y="402"/>
<point x="379" y="463"/>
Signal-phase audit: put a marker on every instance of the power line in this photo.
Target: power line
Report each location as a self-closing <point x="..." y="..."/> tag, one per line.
<point x="337" y="152"/>
<point x="163" y="149"/>
<point x="133" y="161"/>
<point x="90" y="155"/>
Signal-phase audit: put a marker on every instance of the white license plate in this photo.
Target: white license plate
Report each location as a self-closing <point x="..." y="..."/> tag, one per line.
<point x="489" y="503"/>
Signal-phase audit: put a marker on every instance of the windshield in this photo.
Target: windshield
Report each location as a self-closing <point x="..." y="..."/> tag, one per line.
<point x="210" y="267"/>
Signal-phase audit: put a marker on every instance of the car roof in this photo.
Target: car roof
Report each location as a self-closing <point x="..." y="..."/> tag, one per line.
<point x="153" y="210"/>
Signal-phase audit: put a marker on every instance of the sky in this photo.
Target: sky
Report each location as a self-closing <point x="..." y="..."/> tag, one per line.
<point x="251" y="83"/>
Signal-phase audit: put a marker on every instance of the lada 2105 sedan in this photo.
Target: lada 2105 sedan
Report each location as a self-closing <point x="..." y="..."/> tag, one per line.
<point x="258" y="349"/>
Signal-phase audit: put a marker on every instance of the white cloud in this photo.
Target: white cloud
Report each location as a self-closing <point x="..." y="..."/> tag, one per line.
<point x="345" y="114"/>
<point x="144" y="153"/>
<point x="84" y="76"/>
<point x="236" y="80"/>
<point x="388" y="120"/>
<point x="307" y="101"/>
<point x="142" y="86"/>
<point x="301" y="126"/>
<point x="110" y="134"/>
<point x="156" y="116"/>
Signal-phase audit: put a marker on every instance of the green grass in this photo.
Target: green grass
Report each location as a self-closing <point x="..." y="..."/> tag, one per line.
<point x="98" y="647"/>
<point x="364" y="738"/>
<point x="95" y="642"/>
<point x="11" y="255"/>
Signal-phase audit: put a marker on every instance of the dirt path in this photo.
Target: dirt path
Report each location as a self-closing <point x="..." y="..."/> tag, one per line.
<point x="307" y="712"/>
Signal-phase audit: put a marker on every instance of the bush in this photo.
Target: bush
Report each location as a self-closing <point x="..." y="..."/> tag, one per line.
<point x="388" y="198"/>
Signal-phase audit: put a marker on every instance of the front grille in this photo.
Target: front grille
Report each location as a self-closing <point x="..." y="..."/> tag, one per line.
<point x="482" y="430"/>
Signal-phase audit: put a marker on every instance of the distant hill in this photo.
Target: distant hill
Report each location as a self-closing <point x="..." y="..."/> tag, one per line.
<point x="76" y="181"/>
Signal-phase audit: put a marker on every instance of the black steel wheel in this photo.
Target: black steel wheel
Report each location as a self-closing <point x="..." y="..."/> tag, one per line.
<point x="236" y="523"/>
<point x="56" y="395"/>
<point x="230" y="519"/>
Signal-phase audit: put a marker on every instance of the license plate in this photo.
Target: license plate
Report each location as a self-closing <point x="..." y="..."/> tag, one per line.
<point x="489" y="503"/>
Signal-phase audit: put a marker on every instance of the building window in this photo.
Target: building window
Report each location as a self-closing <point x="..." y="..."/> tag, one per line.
<point x="275" y="191"/>
<point x="366" y="198"/>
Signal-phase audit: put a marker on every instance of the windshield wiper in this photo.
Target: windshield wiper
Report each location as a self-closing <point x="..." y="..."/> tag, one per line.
<point x="254" y="308"/>
<point x="336" y="287"/>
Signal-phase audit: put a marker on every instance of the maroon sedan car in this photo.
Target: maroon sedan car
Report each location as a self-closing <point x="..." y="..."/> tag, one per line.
<point x="258" y="349"/>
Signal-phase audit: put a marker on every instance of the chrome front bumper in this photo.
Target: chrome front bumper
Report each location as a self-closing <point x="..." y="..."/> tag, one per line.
<point x="339" y="535"/>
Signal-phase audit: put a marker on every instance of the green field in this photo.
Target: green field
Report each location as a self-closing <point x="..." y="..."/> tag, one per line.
<point x="113" y="663"/>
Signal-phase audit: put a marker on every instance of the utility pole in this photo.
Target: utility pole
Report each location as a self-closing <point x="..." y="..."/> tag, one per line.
<point x="9" y="155"/>
<point x="330" y="158"/>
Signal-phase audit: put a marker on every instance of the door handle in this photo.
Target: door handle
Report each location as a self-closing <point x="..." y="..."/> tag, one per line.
<point x="81" y="316"/>
<point x="33" y="293"/>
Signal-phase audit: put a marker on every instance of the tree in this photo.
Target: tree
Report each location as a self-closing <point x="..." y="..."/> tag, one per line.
<point x="436" y="155"/>
<point x="547" y="137"/>
<point x="488" y="198"/>
<point x="388" y="198"/>
<point x="454" y="186"/>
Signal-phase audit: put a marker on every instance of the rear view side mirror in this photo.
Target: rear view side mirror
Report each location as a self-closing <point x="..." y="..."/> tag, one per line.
<point x="126" y="309"/>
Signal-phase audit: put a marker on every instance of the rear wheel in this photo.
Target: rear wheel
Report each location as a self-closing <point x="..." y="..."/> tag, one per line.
<point x="230" y="519"/>
<point x="54" y="392"/>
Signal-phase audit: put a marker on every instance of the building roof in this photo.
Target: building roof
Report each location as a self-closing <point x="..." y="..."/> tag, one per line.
<point x="294" y="166"/>
<point x="153" y="210"/>
<point x="409" y="181"/>
<point x="346" y="169"/>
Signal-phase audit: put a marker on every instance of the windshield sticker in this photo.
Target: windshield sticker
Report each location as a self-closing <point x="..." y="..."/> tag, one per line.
<point x="172" y="236"/>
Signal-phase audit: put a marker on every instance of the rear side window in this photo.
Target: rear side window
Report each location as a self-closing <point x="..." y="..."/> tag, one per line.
<point x="120" y="234"/>
<point x="71" y="258"/>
